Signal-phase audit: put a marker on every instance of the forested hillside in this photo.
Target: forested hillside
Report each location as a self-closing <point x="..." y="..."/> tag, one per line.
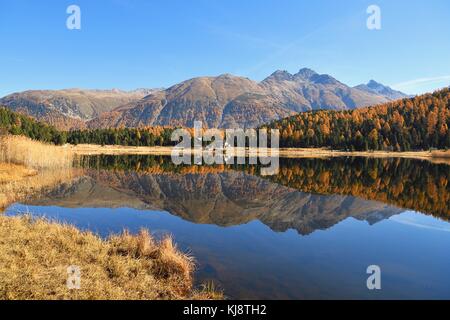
<point x="415" y="123"/>
<point x="150" y="136"/>
<point x="18" y="124"/>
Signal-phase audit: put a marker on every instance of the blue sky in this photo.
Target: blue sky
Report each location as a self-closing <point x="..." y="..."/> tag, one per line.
<point x="130" y="44"/>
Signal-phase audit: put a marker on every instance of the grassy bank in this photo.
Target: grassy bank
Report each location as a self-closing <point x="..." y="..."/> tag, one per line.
<point x="34" y="154"/>
<point x="35" y="255"/>
<point x="90" y="149"/>
<point x="28" y="167"/>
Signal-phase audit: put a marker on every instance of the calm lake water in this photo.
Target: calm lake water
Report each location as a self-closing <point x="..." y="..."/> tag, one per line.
<point x="308" y="232"/>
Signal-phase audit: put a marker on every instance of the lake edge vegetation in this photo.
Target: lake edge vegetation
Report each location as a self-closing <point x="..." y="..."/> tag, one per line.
<point x="36" y="254"/>
<point x="29" y="167"/>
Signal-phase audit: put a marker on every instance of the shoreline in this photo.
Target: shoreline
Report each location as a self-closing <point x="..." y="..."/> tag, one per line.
<point x="439" y="156"/>
<point x="123" y="266"/>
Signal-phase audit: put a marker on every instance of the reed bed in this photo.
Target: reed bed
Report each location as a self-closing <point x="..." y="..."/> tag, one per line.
<point x="34" y="154"/>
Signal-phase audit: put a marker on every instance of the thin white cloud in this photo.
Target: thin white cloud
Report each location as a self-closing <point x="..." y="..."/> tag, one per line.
<point x="243" y="37"/>
<point x="421" y="82"/>
<point x="418" y="222"/>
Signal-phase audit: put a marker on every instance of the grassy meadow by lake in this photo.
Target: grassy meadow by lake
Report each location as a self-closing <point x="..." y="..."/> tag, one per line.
<point x="37" y="251"/>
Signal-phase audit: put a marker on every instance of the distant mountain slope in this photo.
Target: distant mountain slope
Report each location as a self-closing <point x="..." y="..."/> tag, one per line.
<point x="230" y="101"/>
<point x="377" y="88"/>
<point x="415" y="123"/>
<point x="199" y="99"/>
<point x="69" y="108"/>
<point x="308" y="90"/>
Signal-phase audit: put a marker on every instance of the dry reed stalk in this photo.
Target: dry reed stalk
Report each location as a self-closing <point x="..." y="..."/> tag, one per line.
<point x="34" y="154"/>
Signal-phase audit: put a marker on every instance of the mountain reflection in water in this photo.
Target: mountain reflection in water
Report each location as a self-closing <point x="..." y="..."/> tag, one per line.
<point x="308" y="232"/>
<point x="306" y="194"/>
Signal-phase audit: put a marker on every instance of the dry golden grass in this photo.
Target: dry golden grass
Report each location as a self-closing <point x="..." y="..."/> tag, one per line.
<point x="34" y="154"/>
<point x="13" y="172"/>
<point x="89" y="149"/>
<point x="441" y="154"/>
<point x="28" y="167"/>
<point x="441" y="157"/>
<point x="35" y="255"/>
<point x="93" y="149"/>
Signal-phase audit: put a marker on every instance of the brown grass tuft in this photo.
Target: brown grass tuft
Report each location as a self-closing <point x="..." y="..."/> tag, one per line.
<point x="35" y="254"/>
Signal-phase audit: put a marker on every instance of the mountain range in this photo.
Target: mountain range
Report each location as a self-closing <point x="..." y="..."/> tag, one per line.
<point x="70" y="108"/>
<point x="225" y="101"/>
<point x="377" y="88"/>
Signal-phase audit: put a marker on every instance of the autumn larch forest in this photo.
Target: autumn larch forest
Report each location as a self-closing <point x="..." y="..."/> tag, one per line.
<point x="419" y="123"/>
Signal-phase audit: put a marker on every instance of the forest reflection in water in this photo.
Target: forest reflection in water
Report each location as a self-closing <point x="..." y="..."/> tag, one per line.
<point x="406" y="183"/>
<point x="280" y="236"/>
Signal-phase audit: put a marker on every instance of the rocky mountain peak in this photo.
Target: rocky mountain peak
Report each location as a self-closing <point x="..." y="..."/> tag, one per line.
<point x="377" y="88"/>
<point x="373" y="84"/>
<point x="305" y="74"/>
<point x="281" y="75"/>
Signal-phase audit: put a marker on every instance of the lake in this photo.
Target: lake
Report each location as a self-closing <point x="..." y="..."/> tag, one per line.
<point x="308" y="232"/>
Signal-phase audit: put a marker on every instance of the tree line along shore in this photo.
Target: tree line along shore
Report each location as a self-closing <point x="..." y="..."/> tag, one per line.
<point x="410" y="124"/>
